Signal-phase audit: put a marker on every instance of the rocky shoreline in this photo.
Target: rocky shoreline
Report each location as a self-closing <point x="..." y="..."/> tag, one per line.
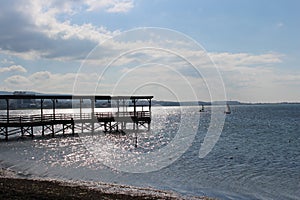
<point x="17" y="188"/>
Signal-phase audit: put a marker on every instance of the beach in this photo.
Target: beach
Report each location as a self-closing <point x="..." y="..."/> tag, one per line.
<point x="17" y="188"/>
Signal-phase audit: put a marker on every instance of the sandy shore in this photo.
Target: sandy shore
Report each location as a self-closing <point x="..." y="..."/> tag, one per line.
<point x="13" y="187"/>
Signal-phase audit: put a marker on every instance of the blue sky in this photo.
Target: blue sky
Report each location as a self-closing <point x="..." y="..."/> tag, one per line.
<point x="255" y="44"/>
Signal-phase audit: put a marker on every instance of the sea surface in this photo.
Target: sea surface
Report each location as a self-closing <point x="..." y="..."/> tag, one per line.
<point x="256" y="156"/>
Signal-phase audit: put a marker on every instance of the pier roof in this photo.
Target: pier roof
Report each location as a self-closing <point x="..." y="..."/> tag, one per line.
<point x="96" y="97"/>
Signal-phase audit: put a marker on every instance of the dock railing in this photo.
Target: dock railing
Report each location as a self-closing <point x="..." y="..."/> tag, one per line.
<point x="24" y="118"/>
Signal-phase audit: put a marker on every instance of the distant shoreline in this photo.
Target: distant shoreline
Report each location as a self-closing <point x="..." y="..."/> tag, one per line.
<point x="66" y="104"/>
<point x="166" y="104"/>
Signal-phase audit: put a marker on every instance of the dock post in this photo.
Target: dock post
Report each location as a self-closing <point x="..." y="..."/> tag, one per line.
<point x="42" y="116"/>
<point x="52" y="130"/>
<point x="93" y="113"/>
<point x="80" y="112"/>
<point x="6" y="133"/>
<point x="136" y="133"/>
<point x="136" y="139"/>
<point x="32" y="132"/>
<point x="134" y="107"/>
<point x="53" y="107"/>
<point x="7" y="119"/>
<point x="149" y="122"/>
<point x="72" y="124"/>
<point x="42" y="113"/>
<point x="22" y="130"/>
<point x="105" y="127"/>
<point x="93" y="126"/>
<point x="149" y="105"/>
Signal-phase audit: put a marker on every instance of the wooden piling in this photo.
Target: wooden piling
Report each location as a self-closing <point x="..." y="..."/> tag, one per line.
<point x="73" y="126"/>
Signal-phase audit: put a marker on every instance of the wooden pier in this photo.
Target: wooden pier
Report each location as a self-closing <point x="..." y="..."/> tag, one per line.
<point x="124" y="116"/>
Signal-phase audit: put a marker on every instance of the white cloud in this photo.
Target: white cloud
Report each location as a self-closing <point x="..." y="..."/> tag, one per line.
<point x="26" y="55"/>
<point x="289" y="78"/>
<point x="229" y="61"/>
<point x="257" y="78"/>
<point x="48" y="24"/>
<point x="243" y="73"/>
<point x="6" y="61"/>
<point x="38" y="33"/>
<point x="34" y="30"/>
<point x="113" y="6"/>
<point x="13" y="68"/>
<point x="18" y="80"/>
<point x="47" y="82"/>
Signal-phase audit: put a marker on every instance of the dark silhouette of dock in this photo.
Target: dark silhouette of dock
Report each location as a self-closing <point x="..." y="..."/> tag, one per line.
<point x="124" y="113"/>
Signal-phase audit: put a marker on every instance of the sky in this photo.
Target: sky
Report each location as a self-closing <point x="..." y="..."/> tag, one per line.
<point x="245" y="50"/>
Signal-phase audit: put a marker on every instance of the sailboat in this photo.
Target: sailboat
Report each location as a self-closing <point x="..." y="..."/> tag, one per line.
<point x="227" y="110"/>
<point x="202" y="109"/>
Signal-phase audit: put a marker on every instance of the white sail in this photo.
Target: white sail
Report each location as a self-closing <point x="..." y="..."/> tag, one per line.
<point x="202" y="109"/>
<point x="228" y="110"/>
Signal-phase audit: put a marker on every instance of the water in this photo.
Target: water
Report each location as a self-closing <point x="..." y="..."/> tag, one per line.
<point x="256" y="157"/>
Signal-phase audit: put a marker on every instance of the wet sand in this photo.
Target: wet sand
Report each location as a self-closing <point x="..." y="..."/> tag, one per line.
<point x="12" y="187"/>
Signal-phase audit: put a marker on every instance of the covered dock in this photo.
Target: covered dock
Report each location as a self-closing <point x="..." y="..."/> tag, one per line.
<point x="122" y="113"/>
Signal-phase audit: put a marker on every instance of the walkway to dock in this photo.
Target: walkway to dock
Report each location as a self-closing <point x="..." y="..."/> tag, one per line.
<point x="20" y="124"/>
